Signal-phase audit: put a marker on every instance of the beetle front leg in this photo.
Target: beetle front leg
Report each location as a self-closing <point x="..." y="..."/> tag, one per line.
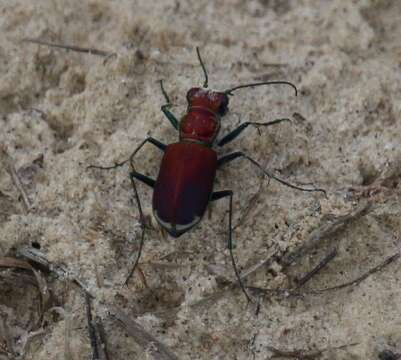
<point x="219" y="195"/>
<point x="151" y="140"/>
<point x="236" y="132"/>
<point x="238" y="154"/>
<point x="165" y="109"/>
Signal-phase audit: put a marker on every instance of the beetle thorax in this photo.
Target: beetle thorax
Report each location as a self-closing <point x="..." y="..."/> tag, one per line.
<point x="201" y="123"/>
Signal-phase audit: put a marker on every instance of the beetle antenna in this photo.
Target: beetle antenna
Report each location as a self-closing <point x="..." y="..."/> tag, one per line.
<point x="205" y="84"/>
<point x="229" y="91"/>
<point x="164" y="92"/>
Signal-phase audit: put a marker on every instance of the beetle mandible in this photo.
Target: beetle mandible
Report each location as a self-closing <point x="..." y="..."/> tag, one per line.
<point x="184" y="185"/>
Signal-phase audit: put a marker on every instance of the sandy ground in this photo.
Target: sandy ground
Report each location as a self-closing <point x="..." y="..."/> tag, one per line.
<point x="62" y="111"/>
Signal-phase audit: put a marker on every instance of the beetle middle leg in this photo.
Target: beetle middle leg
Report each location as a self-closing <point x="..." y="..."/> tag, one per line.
<point x="219" y="195"/>
<point x="238" y="154"/>
<point x="237" y="131"/>
<point x="149" y="139"/>
<point x="143" y="178"/>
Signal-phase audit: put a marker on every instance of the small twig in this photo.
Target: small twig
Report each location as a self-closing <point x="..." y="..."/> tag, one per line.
<point x="25" y="340"/>
<point x="5" y="334"/>
<point x="37" y="257"/>
<point x="90" y="51"/>
<point x="44" y="294"/>
<point x="67" y="336"/>
<point x="298" y="354"/>
<point x="143" y="338"/>
<point x="304" y="279"/>
<point x="101" y="336"/>
<point x="303" y="354"/>
<point x="158" y="350"/>
<point x="389" y="355"/>
<point x="291" y="292"/>
<point x="91" y="329"/>
<point x="325" y="230"/>
<point x="251" y="346"/>
<point x="263" y="263"/>
<point x="9" y="262"/>
<point x="359" y="279"/>
<point x="14" y="176"/>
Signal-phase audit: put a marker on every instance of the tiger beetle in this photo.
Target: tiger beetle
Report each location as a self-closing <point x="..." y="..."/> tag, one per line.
<point x="184" y="186"/>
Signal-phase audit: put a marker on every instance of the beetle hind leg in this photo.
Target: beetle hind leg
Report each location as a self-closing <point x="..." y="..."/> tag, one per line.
<point x="220" y="195"/>
<point x="150" y="182"/>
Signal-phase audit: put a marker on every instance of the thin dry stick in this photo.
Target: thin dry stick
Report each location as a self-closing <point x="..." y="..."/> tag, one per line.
<point x="90" y="51"/>
<point x="67" y="336"/>
<point x="36" y="256"/>
<point x="44" y="294"/>
<point x="91" y="329"/>
<point x="297" y="354"/>
<point x="364" y="276"/>
<point x="143" y="338"/>
<point x="6" y="336"/>
<point x="324" y="231"/>
<point x="322" y="264"/>
<point x="358" y="280"/>
<point x="158" y="350"/>
<point x="295" y="292"/>
<point x="102" y="340"/>
<point x="14" y="176"/>
<point x="304" y="354"/>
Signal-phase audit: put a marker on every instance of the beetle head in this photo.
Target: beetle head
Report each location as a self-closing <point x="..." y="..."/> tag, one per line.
<point x="213" y="100"/>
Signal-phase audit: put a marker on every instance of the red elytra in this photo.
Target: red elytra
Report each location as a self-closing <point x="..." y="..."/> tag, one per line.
<point x="184" y="185"/>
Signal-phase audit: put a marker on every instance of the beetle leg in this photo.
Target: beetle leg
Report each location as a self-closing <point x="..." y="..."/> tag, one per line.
<point x="230" y="157"/>
<point x="165" y="109"/>
<point x="151" y="140"/>
<point x="234" y="133"/>
<point x="216" y="196"/>
<point x="143" y="178"/>
<point x="150" y="182"/>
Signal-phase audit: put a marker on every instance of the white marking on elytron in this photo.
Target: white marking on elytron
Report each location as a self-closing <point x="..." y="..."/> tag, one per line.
<point x="187" y="226"/>
<point x="176" y="227"/>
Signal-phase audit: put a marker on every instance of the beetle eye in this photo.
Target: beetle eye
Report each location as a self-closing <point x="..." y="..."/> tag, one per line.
<point x="223" y="108"/>
<point x="191" y="93"/>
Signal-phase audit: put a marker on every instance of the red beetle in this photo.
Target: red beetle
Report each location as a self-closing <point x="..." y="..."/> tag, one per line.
<point x="184" y="186"/>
